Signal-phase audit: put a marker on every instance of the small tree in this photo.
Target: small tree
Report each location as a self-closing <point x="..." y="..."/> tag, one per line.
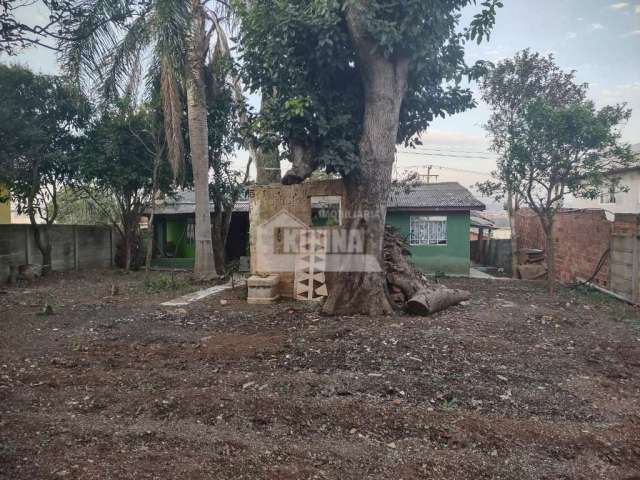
<point x="508" y="88"/>
<point x="559" y="149"/>
<point x="41" y="120"/>
<point x="121" y="169"/>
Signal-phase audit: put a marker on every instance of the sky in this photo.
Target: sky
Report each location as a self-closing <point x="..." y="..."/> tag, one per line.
<point x="600" y="39"/>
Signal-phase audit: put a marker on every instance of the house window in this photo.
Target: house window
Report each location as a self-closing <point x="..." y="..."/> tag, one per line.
<point x="428" y="231"/>
<point x="609" y="196"/>
<point x="325" y="211"/>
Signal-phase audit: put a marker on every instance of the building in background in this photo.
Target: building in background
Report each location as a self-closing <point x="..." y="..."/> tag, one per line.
<point x="615" y="199"/>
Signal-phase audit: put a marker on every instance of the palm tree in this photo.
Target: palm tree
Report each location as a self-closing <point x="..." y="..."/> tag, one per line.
<point x="114" y="38"/>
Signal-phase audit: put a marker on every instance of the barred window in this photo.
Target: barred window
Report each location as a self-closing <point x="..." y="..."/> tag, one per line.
<point x="428" y="231"/>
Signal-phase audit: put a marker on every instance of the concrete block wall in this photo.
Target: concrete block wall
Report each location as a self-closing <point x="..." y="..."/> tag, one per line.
<point x="73" y="246"/>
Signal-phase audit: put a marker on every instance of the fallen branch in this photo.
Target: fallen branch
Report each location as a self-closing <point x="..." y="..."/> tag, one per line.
<point x="409" y="288"/>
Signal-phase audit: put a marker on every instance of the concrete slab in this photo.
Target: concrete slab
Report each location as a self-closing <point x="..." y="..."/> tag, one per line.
<point x="195" y="296"/>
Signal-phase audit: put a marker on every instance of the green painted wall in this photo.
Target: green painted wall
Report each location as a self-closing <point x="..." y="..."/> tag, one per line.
<point x="452" y="258"/>
<point x="176" y="233"/>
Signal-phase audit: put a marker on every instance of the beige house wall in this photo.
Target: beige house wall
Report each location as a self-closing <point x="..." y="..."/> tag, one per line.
<point x="269" y="200"/>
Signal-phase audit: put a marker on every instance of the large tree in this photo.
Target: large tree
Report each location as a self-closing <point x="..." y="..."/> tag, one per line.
<point x="558" y="149"/>
<point x="508" y="88"/>
<point x="121" y="169"/>
<point x="178" y="33"/>
<point x="349" y="80"/>
<point x="41" y="121"/>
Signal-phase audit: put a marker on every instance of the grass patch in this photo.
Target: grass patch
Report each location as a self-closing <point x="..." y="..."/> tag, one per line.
<point x="158" y="283"/>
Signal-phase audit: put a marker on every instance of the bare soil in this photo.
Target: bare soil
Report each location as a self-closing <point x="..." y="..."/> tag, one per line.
<point x="512" y="385"/>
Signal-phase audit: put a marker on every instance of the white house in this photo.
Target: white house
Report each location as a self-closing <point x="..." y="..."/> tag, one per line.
<point x="616" y="200"/>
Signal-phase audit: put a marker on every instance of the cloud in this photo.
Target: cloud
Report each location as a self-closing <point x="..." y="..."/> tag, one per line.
<point x="619" y="6"/>
<point x="571" y="35"/>
<point x="638" y="9"/>
<point x="597" y="26"/>
<point x="634" y="33"/>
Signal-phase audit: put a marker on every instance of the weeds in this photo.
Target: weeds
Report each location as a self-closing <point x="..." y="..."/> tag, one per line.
<point x="165" y="281"/>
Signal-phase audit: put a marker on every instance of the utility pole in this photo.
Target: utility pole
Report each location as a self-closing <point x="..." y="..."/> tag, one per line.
<point x="428" y="176"/>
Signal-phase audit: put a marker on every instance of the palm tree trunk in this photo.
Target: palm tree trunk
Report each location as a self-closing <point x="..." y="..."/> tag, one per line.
<point x="204" y="266"/>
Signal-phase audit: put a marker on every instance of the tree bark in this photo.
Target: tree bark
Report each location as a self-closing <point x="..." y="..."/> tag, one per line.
<point x="267" y="166"/>
<point x="267" y="159"/>
<point x="550" y="254"/>
<point x="410" y="285"/>
<point x="127" y="249"/>
<point x="512" y="208"/>
<point x="204" y="266"/>
<point x="367" y="189"/>
<point x="41" y="236"/>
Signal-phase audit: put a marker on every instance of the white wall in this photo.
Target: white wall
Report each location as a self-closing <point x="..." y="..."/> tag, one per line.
<point x="626" y="202"/>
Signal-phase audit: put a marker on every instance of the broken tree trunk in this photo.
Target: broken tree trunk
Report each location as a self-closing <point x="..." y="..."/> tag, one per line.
<point x="408" y="286"/>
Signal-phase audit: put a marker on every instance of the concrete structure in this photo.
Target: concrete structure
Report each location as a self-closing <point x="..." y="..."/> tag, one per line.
<point x="73" y="247"/>
<point x="263" y="290"/>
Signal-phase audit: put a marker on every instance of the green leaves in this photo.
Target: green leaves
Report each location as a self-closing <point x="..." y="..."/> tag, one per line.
<point x="42" y="118"/>
<point x="302" y="49"/>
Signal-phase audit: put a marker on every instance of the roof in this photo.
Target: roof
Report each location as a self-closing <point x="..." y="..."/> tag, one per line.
<point x="434" y="196"/>
<point x="634" y="168"/>
<point x="184" y="203"/>
<point x="481" y="222"/>
<point x="444" y="196"/>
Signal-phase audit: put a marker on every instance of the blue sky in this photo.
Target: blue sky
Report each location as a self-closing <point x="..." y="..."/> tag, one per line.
<point x="600" y="39"/>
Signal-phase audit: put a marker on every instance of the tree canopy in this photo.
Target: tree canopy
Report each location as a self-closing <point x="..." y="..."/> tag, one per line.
<point x="301" y="53"/>
<point x="41" y="121"/>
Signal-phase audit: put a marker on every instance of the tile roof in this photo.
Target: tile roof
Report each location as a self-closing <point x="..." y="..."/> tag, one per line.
<point x="432" y="196"/>
<point x="440" y="196"/>
<point x="185" y="203"/>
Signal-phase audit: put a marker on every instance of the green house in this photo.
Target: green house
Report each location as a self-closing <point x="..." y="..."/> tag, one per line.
<point x="435" y="219"/>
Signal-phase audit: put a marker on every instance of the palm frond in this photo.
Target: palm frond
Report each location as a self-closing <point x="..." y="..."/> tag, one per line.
<point x="123" y="62"/>
<point x="95" y="29"/>
<point x="172" y="109"/>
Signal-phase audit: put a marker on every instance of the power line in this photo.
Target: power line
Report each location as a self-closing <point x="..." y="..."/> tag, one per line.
<point x="477" y="172"/>
<point x="455" y="150"/>
<point x="426" y="154"/>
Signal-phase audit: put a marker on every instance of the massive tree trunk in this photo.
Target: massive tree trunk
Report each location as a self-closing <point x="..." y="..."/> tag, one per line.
<point x="267" y="165"/>
<point x="267" y="158"/>
<point x="204" y="266"/>
<point x="367" y="189"/>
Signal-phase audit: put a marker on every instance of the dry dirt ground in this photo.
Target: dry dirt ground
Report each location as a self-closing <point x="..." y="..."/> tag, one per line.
<point x="512" y="385"/>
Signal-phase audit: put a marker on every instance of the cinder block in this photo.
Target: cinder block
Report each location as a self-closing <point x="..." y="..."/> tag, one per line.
<point x="263" y="290"/>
